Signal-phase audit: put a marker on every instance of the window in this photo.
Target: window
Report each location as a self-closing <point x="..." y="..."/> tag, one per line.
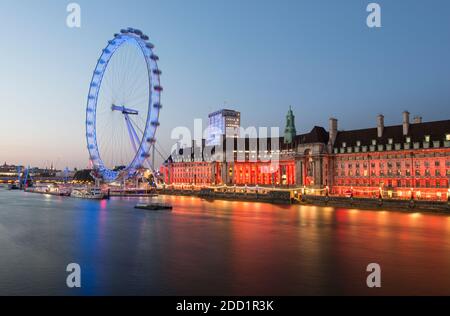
<point x="390" y="141"/>
<point x="408" y="139"/>
<point x="344" y="144"/>
<point x="358" y="143"/>
<point x="374" y="142"/>
<point x="447" y="137"/>
<point x="427" y="138"/>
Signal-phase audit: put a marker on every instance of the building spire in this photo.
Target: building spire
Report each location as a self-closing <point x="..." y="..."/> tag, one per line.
<point x="290" y="131"/>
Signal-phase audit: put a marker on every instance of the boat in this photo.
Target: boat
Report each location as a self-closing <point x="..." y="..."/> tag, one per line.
<point x="154" y="207"/>
<point x="13" y="187"/>
<point x="88" y="193"/>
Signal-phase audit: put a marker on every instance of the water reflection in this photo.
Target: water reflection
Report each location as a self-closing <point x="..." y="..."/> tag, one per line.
<point x="217" y="248"/>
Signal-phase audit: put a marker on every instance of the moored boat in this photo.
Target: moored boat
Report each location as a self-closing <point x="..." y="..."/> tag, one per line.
<point x="154" y="207"/>
<point x="13" y="187"/>
<point x="88" y="193"/>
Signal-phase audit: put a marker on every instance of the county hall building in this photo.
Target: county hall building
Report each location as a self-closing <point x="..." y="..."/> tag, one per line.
<point x="411" y="159"/>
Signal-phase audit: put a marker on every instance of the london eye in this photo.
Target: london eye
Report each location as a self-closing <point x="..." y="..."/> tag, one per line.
<point x="123" y="106"/>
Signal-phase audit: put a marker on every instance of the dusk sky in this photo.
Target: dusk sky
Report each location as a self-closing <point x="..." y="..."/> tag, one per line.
<point x="255" y="56"/>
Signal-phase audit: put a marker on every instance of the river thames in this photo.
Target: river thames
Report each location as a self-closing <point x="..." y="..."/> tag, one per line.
<point x="216" y="248"/>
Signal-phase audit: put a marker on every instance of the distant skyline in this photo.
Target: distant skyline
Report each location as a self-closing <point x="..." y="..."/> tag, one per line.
<point x="255" y="56"/>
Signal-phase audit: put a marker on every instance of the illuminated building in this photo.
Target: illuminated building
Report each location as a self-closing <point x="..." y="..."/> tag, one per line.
<point x="223" y="123"/>
<point x="10" y="170"/>
<point x="401" y="161"/>
<point x="412" y="159"/>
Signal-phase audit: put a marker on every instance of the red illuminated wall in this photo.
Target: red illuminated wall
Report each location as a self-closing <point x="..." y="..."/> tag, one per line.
<point x="264" y="173"/>
<point x="424" y="172"/>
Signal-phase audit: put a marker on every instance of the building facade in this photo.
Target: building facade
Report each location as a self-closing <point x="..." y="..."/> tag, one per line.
<point x="409" y="160"/>
<point x="224" y="122"/>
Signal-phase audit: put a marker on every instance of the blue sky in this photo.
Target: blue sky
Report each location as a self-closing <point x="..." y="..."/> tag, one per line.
<point x="256" y="56"/>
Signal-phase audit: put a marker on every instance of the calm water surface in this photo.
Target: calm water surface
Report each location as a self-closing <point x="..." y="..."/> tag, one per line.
<point x="216" y="248"/>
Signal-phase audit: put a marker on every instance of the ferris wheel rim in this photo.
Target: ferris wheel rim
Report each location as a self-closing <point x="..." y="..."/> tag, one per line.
<point x="153" y="106"/>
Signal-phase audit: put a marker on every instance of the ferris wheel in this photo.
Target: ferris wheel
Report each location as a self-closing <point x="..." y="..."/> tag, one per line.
<point x="122" y="113"/>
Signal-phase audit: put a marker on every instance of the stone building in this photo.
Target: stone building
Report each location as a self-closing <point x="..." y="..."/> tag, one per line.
<point x="401" y="161"/>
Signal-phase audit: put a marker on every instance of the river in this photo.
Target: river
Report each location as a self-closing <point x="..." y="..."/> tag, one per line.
<point x="216" y="248"/>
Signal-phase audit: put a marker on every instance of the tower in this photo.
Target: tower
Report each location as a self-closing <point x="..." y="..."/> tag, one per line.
<point x="290" y="131"/>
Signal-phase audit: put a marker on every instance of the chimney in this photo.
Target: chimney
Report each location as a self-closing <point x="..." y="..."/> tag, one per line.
<point x="333" y="130"/>
<point x="405" y="123"/>
<point x="380" y="125"/>
<point x="417" y="119"/>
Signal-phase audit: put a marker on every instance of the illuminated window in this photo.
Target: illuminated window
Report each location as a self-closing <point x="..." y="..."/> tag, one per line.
<point x="447" y="137"/>
<point x="408" y="139"/>
<point x="358" y="143"/>
<point x="390" y="141"/>
<point x="374" y="142"/>
<point x="427" y="138"/>
<point x="344" y="144"/>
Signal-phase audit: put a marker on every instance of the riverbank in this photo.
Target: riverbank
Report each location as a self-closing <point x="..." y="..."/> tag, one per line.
<point x="284" y="197"/>
<point x="380" y="204"/>
<point x="274" y="197"/>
